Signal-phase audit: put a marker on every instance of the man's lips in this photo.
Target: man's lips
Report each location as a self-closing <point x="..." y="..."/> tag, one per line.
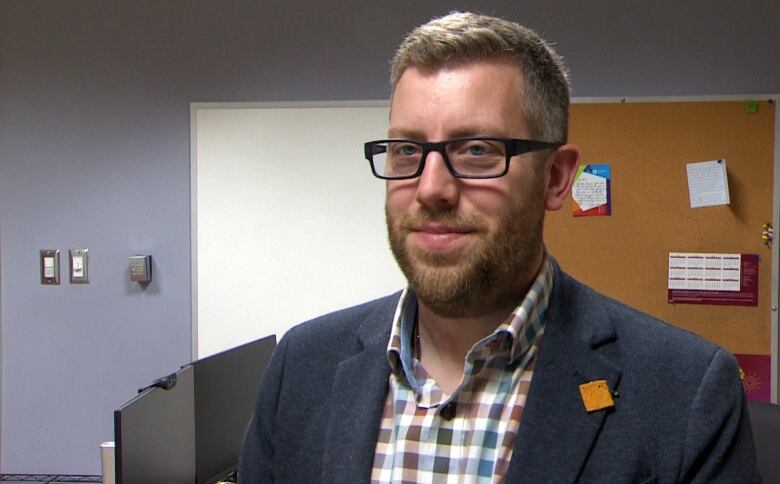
<point x="434" y="236"/>
<point x="437" y="228"/>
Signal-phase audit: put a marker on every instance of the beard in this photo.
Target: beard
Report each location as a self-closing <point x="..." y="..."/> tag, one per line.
<point x="491" y="274"/>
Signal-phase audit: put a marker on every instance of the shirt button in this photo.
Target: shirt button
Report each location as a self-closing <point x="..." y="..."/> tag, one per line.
<point x="448" y="411"/>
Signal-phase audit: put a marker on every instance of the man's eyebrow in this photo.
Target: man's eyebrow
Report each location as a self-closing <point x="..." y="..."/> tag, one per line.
<point x="465" y="132"/>
<point x="405" y="134"/>
<point x="475" y="131"/>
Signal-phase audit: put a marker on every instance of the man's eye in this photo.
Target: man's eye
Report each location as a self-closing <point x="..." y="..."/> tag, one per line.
<point x="477" y="150"/>
<point x="405" y="150"/>
<point x="480" y="149"/>
<point x="408" y="150"/>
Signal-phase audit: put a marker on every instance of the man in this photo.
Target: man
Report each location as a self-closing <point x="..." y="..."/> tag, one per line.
<point x="493" y="365"/>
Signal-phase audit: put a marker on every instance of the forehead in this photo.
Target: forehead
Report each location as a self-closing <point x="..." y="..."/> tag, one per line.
<point x="477" y="97"/>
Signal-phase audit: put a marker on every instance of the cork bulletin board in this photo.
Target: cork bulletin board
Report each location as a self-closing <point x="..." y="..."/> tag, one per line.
<point x="625" y="255"/>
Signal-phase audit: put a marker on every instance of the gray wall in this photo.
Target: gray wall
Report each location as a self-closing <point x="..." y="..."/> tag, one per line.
<point x="94" y="152"/>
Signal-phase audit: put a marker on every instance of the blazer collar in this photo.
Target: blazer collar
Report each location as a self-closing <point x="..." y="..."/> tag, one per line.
<point x="556" y="432"/>
<point x="357" y="400"/>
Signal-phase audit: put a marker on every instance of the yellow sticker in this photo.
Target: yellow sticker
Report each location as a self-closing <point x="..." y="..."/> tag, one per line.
<point x="596" y="395"/>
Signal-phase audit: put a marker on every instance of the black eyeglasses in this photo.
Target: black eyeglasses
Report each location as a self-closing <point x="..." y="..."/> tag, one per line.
<point x="399" y="159"/>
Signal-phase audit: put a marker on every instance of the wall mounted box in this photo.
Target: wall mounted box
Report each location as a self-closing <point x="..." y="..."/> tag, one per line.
<point x="141" y="268"/>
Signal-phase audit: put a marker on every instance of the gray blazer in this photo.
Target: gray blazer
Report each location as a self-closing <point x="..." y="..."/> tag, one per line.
<point x="680" y="415"/>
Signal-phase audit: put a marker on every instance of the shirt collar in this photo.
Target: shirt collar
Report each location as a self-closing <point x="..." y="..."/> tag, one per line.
<point x="523" y="326"/>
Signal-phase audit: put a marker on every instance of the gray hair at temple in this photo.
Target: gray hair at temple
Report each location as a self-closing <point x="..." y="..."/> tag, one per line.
<point x="464" y="36"/>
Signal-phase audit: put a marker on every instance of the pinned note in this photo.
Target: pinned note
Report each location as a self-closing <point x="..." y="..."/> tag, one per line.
<point x="708" y="183"/>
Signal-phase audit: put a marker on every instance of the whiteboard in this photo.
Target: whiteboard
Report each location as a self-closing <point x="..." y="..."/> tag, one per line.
<point x="288" y="221"/>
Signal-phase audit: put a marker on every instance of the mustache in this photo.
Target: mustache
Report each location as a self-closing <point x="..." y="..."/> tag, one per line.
<point x="449" y="218"/>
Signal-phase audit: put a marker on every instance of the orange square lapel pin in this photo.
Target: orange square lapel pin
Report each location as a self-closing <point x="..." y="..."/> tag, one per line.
<point x="596" y="395"/>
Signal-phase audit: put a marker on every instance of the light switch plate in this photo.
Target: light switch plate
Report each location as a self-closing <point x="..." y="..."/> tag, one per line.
<point x="79" y="266"/>
<point x="50" y="266"/>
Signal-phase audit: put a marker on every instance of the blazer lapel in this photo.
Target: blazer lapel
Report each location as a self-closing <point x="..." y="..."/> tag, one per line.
<point x="556" y="432"/>
<point x="356" y="402"/>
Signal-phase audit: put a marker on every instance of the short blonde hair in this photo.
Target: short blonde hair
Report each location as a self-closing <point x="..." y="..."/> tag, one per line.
<point x="464" y="36"/>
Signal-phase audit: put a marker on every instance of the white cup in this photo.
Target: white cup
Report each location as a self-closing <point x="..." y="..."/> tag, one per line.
<point x="107" y="460"/>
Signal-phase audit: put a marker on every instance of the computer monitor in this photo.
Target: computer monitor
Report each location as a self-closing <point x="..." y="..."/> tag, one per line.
<point x="192" y="431"/>
<point x="225" y="390"/>
<point x="155" y="434"/>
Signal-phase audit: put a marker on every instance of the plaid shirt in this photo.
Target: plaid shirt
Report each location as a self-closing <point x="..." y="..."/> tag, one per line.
<point x="428" y="436"/>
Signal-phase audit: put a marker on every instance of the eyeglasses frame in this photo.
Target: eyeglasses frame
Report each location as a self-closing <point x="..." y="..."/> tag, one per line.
<point x="513" y="147"/>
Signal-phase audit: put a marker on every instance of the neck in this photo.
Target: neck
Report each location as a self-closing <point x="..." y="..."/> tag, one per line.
<point x="445" y="341"/>
<point x="455" y="336"/>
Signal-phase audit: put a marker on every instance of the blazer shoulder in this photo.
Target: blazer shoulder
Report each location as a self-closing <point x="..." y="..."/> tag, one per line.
<point x="370" y="320"/>
<point x="610" y="320"/>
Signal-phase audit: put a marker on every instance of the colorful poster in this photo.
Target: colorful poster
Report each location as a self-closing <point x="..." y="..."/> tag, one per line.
<point x="719" y="279"/>
<point x="591" y="193"/>
<point x="756" y="373"/>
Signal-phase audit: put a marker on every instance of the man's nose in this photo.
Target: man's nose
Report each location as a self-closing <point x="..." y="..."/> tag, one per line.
<point x="437" y="187"/>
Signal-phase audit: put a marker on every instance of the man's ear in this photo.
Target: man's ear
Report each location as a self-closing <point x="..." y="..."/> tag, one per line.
<point x="561" y="168"/>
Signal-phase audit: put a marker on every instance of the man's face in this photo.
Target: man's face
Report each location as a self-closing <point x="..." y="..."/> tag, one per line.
<point x="468" y="247"/>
